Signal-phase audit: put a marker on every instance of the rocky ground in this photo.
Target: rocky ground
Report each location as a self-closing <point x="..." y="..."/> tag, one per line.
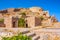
<point x="35" y="33"/>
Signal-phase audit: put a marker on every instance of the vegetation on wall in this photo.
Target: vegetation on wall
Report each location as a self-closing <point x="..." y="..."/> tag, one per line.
<point x="41" y="17"/>
<point x="21" y="22"/>
<point x="23" y="14"/>
<point x="18" y="37"/>
<point x="1" y="20"/>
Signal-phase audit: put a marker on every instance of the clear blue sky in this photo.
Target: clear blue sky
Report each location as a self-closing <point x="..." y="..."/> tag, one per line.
<point x="53" y="6"/>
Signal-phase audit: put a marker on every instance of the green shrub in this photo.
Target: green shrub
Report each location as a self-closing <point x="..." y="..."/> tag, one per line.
<point x="1" y="20"/>
<point x="21" y="22"/>
<point x="18" y="37"/>
<point x="41" y="17"/>
<point x="23" y="15"/>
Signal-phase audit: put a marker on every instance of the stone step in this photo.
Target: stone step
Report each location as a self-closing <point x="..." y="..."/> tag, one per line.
<point x="37" y="37"/>
<point x="31" y="34"/>
<point x="24" y="32"/>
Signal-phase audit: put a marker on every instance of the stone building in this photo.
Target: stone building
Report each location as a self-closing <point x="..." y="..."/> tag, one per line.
<point x="35" y="16"/>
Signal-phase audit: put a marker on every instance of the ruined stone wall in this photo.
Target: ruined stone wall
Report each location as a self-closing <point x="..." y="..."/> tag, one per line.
<point x="31" y="21"/>
<point x="8" y="21"/>
<point x="37" y="21"/>
<point x="30" y="12"/>
<point x="1" y="16"/>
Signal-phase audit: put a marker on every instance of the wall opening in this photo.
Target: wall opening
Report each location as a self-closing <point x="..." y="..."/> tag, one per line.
<point x="14" y="22"/>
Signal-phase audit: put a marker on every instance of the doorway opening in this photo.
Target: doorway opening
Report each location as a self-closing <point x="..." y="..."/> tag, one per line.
<point x="14" y="22"/>
<point x="26" y="24"/>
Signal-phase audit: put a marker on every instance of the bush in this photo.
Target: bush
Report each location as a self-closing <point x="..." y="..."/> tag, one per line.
<point x="18" y="37"/>
<point x="41" y="17"/>
<point x="1" y="20"/>
<point x="21" y="22"/>
<point x="23" y="14"/>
